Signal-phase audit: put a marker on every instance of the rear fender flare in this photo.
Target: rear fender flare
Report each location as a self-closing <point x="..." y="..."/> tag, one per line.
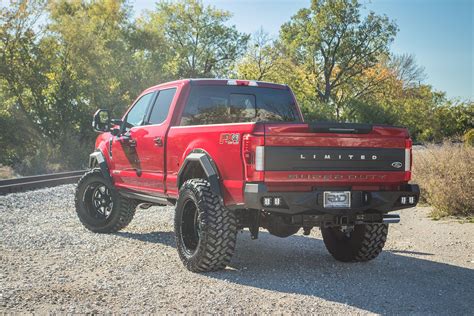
<point x="209" y="167"/>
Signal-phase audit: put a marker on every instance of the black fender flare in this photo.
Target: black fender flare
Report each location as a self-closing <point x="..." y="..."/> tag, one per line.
<point x="207" y="165"/>
<point x="97" y="159"/>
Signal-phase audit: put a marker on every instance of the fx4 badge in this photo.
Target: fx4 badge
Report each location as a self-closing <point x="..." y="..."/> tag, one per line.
<point x="397" y="164"/>
<point x="230" y="139"/>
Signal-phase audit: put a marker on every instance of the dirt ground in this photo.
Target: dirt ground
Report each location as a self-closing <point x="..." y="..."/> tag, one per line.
<point x="50" y="263"/>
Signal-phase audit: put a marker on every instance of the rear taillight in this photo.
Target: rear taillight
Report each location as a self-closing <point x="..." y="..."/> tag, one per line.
<point x="252" y="154"/>
<point x="408" y="159"/>
<point x="259" y="158"/>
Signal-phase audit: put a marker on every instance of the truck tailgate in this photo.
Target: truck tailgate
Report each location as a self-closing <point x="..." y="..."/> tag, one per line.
<point x="334" y="154"/>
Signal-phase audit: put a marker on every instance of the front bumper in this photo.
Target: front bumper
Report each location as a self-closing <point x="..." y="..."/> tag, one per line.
<point x="301" y="202"/>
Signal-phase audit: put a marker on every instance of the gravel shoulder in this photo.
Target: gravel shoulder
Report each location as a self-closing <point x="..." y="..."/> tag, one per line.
<point x="50" y="263"/>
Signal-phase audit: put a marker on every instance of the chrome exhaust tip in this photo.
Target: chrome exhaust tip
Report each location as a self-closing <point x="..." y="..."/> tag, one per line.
<point x="391" y="219"/>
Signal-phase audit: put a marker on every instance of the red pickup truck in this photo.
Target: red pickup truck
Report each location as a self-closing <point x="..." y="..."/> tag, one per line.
<point x="235" y="154"/>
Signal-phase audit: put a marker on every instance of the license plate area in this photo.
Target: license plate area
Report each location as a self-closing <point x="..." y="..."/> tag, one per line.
<point x="337" y="199"/>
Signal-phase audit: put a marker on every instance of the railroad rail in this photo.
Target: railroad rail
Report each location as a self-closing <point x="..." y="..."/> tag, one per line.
<point x="40" y="181"/>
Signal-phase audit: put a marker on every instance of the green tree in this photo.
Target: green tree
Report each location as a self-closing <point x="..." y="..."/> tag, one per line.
<point x="94" y="44"/>
<point x="336" y="45"/>
<point x="54" y="75"/>
<point x="265" y="60"/>
<point x="261" y="60"/>
<point x="201" y="43"/>
<point x="23" y="83"/>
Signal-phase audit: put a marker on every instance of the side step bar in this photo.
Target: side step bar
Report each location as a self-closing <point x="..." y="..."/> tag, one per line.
<point x="146" y="198"/>
<point x="391" y="219"/>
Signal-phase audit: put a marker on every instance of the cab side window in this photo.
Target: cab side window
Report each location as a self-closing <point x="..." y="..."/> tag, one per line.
<point x="136" y="116"/>
<point x="162" y="106"/>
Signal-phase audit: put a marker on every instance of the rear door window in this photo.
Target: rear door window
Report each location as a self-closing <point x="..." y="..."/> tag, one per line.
<point x="162" y="106"/>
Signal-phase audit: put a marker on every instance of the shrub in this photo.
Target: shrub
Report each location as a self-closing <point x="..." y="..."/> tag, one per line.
<point x="445" y="174"/>
<point x="469" y="138"/>
<point x="67" y="154"/>
<point x="6" y="172"/>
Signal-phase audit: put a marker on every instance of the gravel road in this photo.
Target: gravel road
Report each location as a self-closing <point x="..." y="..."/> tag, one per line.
<point x="50" y="263"/>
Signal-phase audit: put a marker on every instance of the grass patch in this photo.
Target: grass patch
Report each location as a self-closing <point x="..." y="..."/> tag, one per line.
<point x="445" y="174"/>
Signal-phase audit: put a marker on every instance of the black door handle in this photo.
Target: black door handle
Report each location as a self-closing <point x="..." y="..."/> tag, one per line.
<point x="158" y="141"/>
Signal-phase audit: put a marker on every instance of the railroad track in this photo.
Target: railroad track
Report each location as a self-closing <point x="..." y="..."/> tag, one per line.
<point x="41" y="181"/>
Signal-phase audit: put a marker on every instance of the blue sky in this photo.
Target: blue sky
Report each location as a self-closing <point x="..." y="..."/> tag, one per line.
<point x="438" y="32"/>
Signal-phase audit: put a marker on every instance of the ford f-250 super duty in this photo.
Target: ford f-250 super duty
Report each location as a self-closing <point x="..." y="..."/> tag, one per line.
<point x="235" y="154"/>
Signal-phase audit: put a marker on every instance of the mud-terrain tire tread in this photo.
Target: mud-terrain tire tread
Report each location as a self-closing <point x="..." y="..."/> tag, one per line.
<point x="124" y="207"/>
<point x="218" y="229"/>
<point x="369" y="243"/>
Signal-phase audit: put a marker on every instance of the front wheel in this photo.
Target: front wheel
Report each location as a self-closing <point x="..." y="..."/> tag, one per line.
<point x="99" y="206"/>
<point x="205" y="230"/>
<point x="365" y="242"/>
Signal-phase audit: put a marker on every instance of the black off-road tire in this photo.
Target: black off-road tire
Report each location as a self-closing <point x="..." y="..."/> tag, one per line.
<point x="121" y="213"/>
<point x="208" y="246"/>
<point x="364" y="243"/>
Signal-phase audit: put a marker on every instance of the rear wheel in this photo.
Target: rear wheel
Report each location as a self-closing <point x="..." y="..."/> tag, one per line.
<point x="363" y="243"/>
<point x="205" y="230"/>
<point x="100" y="208"/>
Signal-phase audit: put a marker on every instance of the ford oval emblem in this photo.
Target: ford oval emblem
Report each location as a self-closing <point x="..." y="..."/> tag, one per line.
<point x="397" y="164"/>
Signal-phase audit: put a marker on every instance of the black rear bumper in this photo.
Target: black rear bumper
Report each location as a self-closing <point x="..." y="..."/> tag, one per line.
<point x="301" y="202"/>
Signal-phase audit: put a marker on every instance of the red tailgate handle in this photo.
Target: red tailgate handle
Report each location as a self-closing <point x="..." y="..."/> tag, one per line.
<point x="158" y="141"/>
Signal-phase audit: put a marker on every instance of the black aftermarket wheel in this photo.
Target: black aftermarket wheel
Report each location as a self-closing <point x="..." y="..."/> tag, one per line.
<point x="102" y="204"/>
<point x="100" y="208"/>
<point x="205" y="230"/>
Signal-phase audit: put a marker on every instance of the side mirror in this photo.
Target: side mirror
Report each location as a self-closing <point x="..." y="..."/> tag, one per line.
<point x="101" y="121"/>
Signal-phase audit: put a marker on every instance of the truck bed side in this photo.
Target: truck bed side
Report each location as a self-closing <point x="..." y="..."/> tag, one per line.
<point x="216" y="140"/>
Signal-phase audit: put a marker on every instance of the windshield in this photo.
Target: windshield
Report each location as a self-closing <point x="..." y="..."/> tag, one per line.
<point x="238" y="104"/>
